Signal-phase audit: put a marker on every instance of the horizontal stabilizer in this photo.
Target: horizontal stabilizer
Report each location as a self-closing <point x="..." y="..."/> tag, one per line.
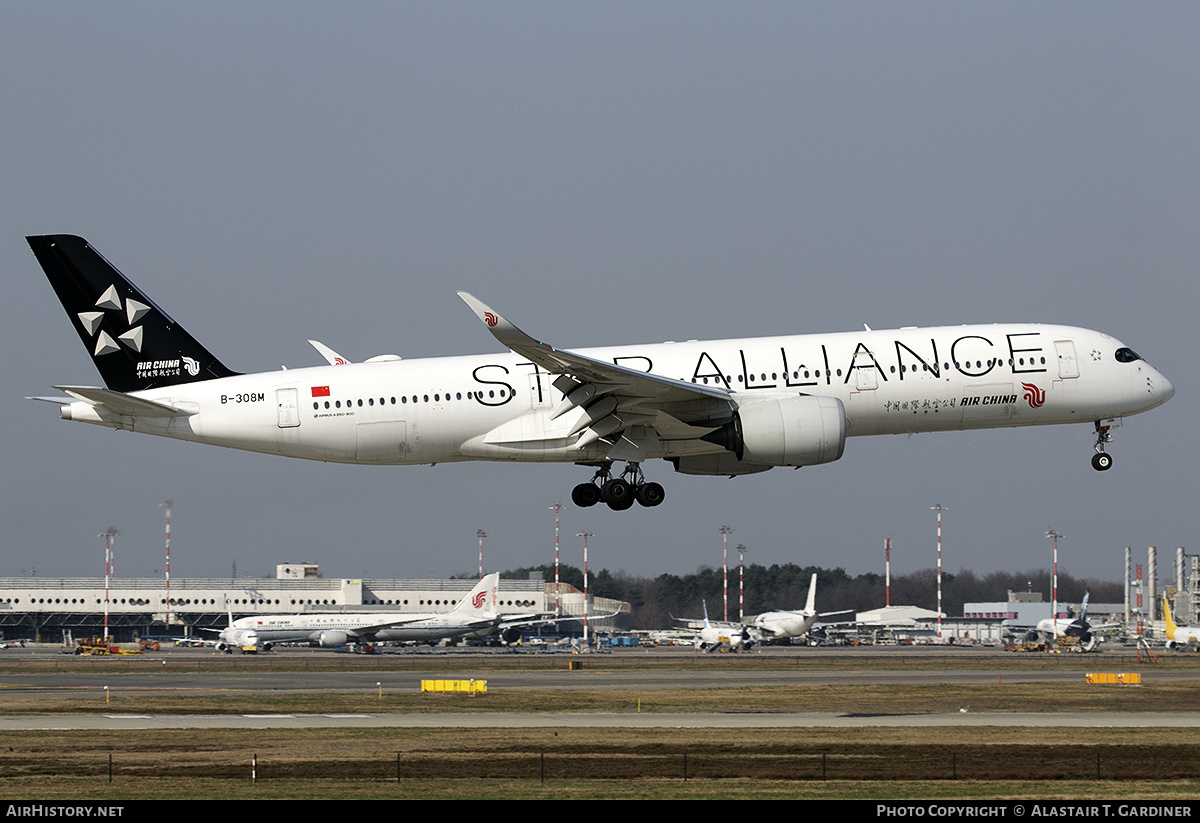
<point x="119" y="403"/>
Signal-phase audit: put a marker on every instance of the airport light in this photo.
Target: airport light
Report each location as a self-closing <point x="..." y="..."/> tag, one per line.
<point x="585" y="536"/>
<point x="110" y="537"/>
<point x="167" y="622"/>
<point x="741" y="550"/>
<point x="887" y="572"/>
<point x="556" y="508"/>
<point x="1051" y="533"/>
<point x="725" y="532"/>
<point x="939" y="508"/>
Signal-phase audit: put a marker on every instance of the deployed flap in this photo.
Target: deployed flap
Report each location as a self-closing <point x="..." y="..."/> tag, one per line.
<point x="119" y="403"/>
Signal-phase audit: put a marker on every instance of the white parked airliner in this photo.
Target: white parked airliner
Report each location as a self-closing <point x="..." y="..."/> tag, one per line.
<point x="718" y="407"/>
<point x="783" y="624"/>
<point x="475" y="615"/>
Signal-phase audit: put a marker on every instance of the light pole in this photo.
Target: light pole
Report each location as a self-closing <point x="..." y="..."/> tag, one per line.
<point x="585" y="536"/>
<point x="167" y="622"/>
<point x="481" y="534"/>
<point x="556" y="508"/>
<point x="725" y="532"/>
<point x="939" y="508"/>
<point x="110" y="537"/>
<point x="1052" y="534"/>
<point x="741" y="550"/>
<point x="887" y="571"/>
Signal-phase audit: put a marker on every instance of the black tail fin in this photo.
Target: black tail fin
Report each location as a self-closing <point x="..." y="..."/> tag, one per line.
<point x="134" y="344"/>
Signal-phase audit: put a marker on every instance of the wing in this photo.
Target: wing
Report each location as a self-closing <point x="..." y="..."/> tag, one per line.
<point x="614" y="398"/>
<point x="517" y="620"/>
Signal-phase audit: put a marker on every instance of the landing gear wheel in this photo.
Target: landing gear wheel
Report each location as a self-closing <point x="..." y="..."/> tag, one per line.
<point x="650" y="494"/>
<point x="1102" y="461"/>
<point x="585" y="494"/>
<point x="617" y="493"/>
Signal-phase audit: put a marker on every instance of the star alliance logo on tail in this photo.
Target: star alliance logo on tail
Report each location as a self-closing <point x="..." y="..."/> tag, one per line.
<point x="1035" y="396"/>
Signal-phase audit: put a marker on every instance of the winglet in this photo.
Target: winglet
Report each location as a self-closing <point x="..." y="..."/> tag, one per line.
<point x="331" y="357"/>
<point x="504" y="331"/>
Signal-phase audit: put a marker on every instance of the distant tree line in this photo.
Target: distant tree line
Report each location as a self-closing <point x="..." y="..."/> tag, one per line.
<point x="655" y="600"/>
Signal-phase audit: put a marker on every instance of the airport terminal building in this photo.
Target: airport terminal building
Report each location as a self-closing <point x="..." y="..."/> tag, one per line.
<point x="44" y="608"/>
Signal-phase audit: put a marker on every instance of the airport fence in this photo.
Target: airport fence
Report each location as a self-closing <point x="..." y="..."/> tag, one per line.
<point x="859" y="762"/>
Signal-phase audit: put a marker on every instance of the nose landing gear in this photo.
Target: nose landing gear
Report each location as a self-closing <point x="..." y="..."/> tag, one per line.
<point x="1101" y="460"/>
<point x="618" y="493"/>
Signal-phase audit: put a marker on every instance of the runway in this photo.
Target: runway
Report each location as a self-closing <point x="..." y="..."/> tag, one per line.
<point x="200" y="672"/>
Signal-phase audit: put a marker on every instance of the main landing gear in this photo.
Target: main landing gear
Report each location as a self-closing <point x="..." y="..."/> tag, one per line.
<point x="1101" y="460"/>
<point x="618" y="493"/>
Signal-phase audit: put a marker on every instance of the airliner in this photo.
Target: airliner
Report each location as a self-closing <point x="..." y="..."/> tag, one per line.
<point x="782" y="624"/>
<point x="1081" y="635"/>
<point x="1178" y="637"/>
<point x="474" y="615"/>
<point x="733" y="636"/>
<point x="716" y="407"/>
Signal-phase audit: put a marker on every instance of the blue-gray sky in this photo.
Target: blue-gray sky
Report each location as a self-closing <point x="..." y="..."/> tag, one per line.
<point x="601" y="173"/>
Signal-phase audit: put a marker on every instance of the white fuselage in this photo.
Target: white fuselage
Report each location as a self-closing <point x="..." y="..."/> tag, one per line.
<point x="366" y="627"/>
<point x="497" y="406"/>
<point x="786" y="624"/>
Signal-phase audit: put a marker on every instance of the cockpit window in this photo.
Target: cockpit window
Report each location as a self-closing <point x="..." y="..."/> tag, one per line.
<point x="1126" y="355"/>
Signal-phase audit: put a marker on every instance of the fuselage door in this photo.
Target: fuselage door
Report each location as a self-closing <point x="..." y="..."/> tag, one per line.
<point x="539" y="390"/>
<point x="288" y="401"/>
<point x="865" y="377"/>
<point x="1068" y="366"/>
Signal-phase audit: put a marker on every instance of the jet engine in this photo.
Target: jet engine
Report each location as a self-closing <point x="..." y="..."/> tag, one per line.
<point x="511" y="635"/>
<point x="789" y="430"/>
<point x="332" y="638"/>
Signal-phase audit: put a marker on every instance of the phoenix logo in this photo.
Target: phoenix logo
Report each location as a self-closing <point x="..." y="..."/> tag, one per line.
<point x="478" y="600"/>
<point x="1035" y="396"/>
<point x="192" y="366"/>
<point x="490" y="318"/>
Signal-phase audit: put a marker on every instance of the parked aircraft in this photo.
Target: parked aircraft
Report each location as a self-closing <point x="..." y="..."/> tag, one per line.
<point x="793" y="623"/>
<point x="720" y="407"/>
<point x="1178" y="636"/>
<point x="1079" y="631"/>
<point x="474" y="615"/>
<point x="732" y="636"/>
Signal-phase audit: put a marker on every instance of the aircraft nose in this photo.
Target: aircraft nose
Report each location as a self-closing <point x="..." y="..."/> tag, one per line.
<point x="1164" y="388"/>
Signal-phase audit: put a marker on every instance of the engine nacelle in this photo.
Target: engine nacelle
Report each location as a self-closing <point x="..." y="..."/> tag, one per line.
<point x="511" y="635"/>
<point x="792" y="430"/>
<point x="332" y="638"/>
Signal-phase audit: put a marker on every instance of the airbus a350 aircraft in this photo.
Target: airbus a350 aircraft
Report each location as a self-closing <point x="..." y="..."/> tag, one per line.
<point x="720" y="407"/>
<point x="474" y="615"/>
